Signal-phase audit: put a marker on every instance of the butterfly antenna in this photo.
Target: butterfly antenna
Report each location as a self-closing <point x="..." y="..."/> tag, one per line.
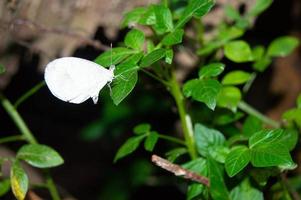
<point x="111" y="54"/>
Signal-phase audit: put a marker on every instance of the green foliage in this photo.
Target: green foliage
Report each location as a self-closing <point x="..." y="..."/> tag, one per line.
<point x="238" y="51"/>
<point x="18" y="181"/>
<point x="4" y="186"/>
<point x="134" y="39"/>
<point x="218" y="189"/>
<point x="129" y="146"/>
<point x="282" y="46"/>
<point x="269" y="148"/>
<point x="205" y="91"/>
<point x="245" y="191"/>
<point x="211" y="70"/>
<point x="237" y="159"/>
<point x="123" y="86"/>
<point x="40" y="156"/>
<point x="236" y="77"/>
<point x="152" y="57"/>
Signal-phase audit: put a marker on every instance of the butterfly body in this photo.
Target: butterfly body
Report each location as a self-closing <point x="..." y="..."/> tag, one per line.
<point x="75" y="80"/>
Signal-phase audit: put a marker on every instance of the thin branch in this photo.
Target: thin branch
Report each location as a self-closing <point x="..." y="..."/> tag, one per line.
<point x="29" y="93"/>
<point x="12" y="138"/>
<point x="172" y="139"/>
<point x="179" y="171"/>
<point x="252" y="111"/>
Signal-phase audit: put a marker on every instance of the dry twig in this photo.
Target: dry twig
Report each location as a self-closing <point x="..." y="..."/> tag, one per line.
<point x="179" y="171"/>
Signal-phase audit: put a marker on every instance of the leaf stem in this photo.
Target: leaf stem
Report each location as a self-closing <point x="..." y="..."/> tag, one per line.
<point x="252" y="111"/>
<point x="11" y="138"/>
<point x="172" y="139"/>
<point x="29" y="93"/>
<point x="51" y="186"/>
<point x="15" y="116"/>
<point x="185" y="120"/>
<point x="155" y="77"/>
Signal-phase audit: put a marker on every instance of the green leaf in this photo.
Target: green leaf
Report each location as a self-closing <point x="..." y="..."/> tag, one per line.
<point x="236" y="77"/>
<point x="164" y="21"/>
<point x="225" y="36"/>
<point x="251" y="125"/>
<point x="132" y="17"/>
<point x="142" y="128"/>
<point x="232" y="13"/>
<point x="173" y="154"/>
<point x="169" y="56"/>
<point x="293" y="116"/>
<point x="196" y="8"/>
<point x="150" y="46"/>
<point x="224" y="118"/>
<point x="290" y="138"/>
<point x="207" y="139"/>
<point x="262" y="64"/>
<point x="4" y="186"/>
<point x="152" y="57"/>
<point x="211" y="70"/>
<point x="270" y="155"/>
<point x="230" y="33"/>
<point x="123" y="70"/>
<point x="219" y="153"/>
<point x="282" y="46"/>
<point x="198" y="166"/>
<point x="150" y="141"/>
<point x="2" y="69"/>
<point x="259" y="7"/>
<point x="194" y="190"/>
<point x="114" y="56"/>
<point x="218" y="189"/>
<point x="246" y="192"/>
<point x="148" y="17"/>
<point x="264" y="137"/>
<point x="258" y="52"/>
<point x="270" y="148"/>
<point x="205" y="91"/>
<point x="18" y="181"/>
<point x="238" y="51"/>
<point x="173" y="38"/>
<point x="129" y="146"/>
<point x="123" y="85"/>
<point x="134" y="39"/>
<point x="40" y="156"/>
<point x="229" y="97"/>
<point x="237" y="159"/>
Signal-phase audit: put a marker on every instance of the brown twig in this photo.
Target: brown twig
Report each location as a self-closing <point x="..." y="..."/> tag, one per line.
<point x="179" y="171"/>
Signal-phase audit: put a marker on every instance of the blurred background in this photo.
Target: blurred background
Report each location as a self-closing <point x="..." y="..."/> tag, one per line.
<point x="86" y="135"/>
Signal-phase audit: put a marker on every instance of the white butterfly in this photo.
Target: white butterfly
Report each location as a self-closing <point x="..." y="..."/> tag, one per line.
<point x="75" y="80"/>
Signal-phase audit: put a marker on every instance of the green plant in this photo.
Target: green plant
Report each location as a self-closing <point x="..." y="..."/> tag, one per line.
<point x="249" y="154"/>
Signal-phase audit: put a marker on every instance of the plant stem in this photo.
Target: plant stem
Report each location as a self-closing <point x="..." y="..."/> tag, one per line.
<point x="26" y="133"/>
<point x="172" y="139"/>
<point x="252" y="111"/>
<point x="185" y="120"/>
<point x="155" y="77"/>
<point x="13" y="113"/>
<point x="51" y="186"/>
<point x="12" y="138"/>
<point x="29" y="93"/>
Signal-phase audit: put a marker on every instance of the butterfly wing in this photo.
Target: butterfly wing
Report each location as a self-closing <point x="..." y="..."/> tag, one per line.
<point x="75" y="80"/>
